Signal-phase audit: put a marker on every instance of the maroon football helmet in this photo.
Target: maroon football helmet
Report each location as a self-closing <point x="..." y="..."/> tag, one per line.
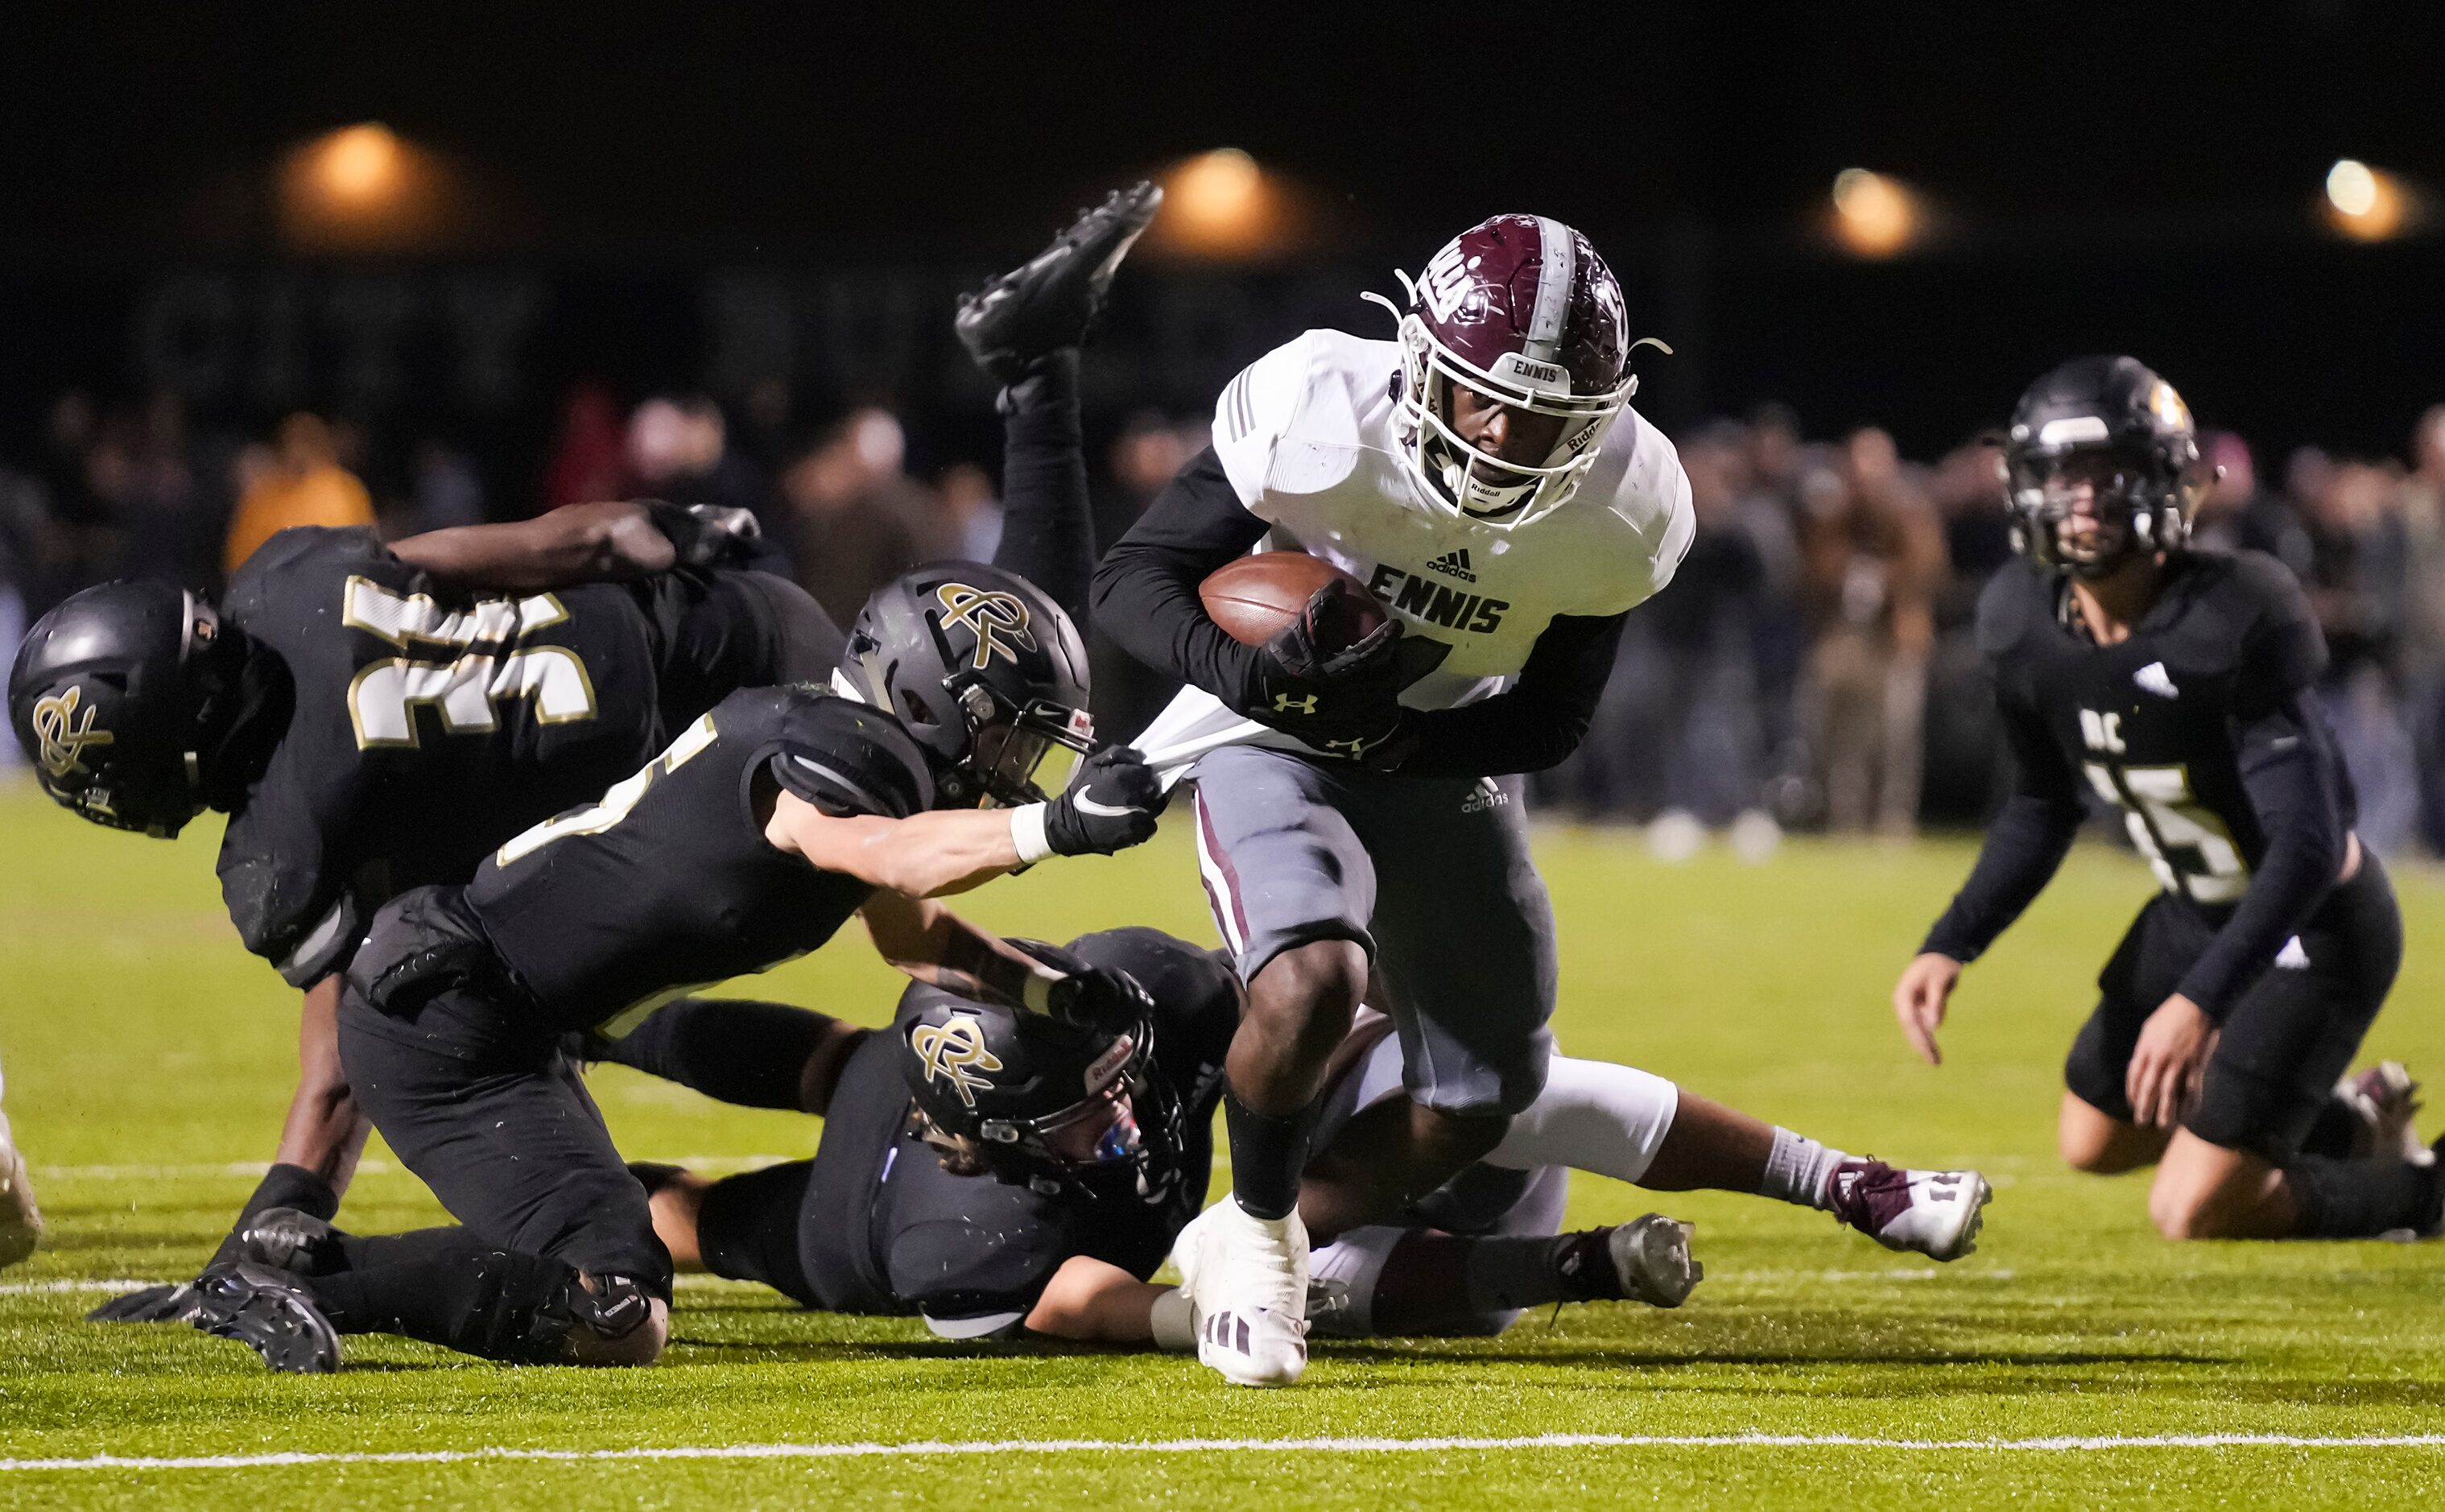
<point x="1522" y="311"/>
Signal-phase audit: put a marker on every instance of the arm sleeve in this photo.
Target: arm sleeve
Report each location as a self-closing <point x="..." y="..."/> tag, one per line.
<point x="1145" y="589"/>
<point x="2025" y="845"/>
<point x="1536" y="722"/>
<point x="2289" y="772"/>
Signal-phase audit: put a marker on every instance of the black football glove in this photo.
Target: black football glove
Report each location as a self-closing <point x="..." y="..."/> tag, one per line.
<point x="707" y="535"/>
<point x="1112" y="804"/>
<point x="1325" y="696"/>
<point x="1099" y="997"/>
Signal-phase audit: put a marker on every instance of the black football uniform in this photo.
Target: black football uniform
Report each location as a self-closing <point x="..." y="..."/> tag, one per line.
<point x="459" y="1001"/>
<point x="2201" y="730"/>
<point x="874" y="1224"/>
<point x="426" y="726"/>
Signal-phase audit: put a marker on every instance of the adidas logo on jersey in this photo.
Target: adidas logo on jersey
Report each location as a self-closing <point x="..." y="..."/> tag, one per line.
<point x="1454" y="564"/>
<point x="2154" y="679"/>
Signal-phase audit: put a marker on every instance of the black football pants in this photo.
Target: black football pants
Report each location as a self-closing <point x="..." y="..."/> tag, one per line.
<point x="481" y="1101"/>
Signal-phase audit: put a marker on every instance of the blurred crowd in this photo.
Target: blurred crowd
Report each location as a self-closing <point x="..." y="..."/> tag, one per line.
<point x="1811" y="666"/>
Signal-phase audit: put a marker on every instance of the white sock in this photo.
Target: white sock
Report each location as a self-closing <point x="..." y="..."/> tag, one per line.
<point x="1799" y="1171"/>
<point x="1594" y="1115"/>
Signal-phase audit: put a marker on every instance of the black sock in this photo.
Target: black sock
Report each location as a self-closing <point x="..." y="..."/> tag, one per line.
<point x="733" y="1050"/>
<point x="446" y="1286"/>
<point x="1048" y="527"/>
<point x="282" y="1186"/>
<point x="2362" y="1199"/>
<point x="2338" y="1132"/>
<point x="1268" y="1154"/>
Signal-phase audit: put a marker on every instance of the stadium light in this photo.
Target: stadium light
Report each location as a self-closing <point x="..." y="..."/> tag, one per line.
<point x="359" y="165"/>
<point x="2364" y="203"/>
<point x="1875" y="216"/>
<point x="1218" y="204"/>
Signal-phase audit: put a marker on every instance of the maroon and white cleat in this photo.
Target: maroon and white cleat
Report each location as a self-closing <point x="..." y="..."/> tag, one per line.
<point x="1935" y="1213"/>
<point x="2386" y="1101"/>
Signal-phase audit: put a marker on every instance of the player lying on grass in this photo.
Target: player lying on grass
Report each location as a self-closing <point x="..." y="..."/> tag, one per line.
<point x="375" y="718"/>
<point x="994" y="1172"/>
<point x="2175" y="683"/>
<point x="761" y="830"/>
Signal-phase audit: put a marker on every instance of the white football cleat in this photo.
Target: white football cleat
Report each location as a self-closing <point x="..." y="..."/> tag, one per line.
<point x="1935" y="1213"/>
<point x="1651" y="1258"/>
<point x="1246" y="1278"/>
<point x="2386" y="1101"/>
<point x="20" y="1222"/>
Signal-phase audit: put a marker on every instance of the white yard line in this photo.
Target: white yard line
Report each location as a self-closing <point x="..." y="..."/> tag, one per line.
<point x="930" y="1449"/>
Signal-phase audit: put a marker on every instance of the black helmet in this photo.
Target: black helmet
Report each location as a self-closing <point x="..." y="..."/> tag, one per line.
<point x="2129" y="422"/>
<point x="982" y="667"/>
<point x="109" y="698"/>
<point x="1053" y="1105"/>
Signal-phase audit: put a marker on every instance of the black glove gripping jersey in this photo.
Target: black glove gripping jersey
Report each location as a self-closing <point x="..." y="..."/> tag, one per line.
<point x="2198" y="728"/>
<point x="430" y="726"/>
<point x="881" y="1227"/>
<point x="667" y="882"/>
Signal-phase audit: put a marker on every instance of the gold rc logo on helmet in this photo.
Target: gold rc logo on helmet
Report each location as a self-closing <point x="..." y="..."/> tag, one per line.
<point x="991" y="616"/>
<point x="955" y="1050"/>
<point x="62" y="734"/>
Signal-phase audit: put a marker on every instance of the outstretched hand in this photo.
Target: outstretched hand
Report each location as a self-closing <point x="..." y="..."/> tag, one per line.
<point x="1920" y="998"/>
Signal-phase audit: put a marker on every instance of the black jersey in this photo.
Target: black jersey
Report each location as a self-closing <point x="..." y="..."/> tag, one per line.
<point x="427" y="726"/>
<point x="667" y="882"/>
<point x="2179" y="727"/>
<point x="883" y="1228"/>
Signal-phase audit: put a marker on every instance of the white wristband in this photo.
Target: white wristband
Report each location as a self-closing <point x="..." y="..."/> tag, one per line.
<point x="1027" y="834"/>
<point x="1172" y="1322"/>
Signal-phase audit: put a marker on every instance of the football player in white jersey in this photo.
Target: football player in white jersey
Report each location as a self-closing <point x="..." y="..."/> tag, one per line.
<point x="1484" y="475"/>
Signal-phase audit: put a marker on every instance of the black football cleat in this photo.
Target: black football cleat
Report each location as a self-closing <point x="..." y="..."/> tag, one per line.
<point x="170" y="1302"/>
<point x="265" y="1310"/>
<point x="1052" y="301"/>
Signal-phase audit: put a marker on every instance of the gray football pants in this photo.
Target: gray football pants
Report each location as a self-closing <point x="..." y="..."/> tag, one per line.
<point x="1430" y="875"/>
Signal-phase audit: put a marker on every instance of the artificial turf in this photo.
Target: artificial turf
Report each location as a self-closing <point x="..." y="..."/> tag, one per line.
<point x="147" y="1059"/>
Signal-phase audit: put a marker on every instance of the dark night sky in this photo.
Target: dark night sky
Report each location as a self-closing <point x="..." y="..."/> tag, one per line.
<point x="819" y="129"/>
<point x="2134" y="175"/>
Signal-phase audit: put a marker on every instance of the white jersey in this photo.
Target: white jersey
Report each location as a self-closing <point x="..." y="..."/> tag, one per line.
<point x="1306" y="435"/>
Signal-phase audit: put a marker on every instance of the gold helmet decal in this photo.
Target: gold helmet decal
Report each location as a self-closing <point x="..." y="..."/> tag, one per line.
<point x="998" y="620"/>
<point x="955" y="1050"/>
<point x="62" y="734"/>
<point x="2168" y="407"/>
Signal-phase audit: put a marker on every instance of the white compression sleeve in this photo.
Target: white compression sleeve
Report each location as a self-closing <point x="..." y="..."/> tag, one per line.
<point x="1595" y="1116"/>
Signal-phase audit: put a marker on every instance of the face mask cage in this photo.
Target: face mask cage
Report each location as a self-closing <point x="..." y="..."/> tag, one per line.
<point x="1132" y="1124"/>
<point x="1461" y="478"/>
<point x="1007" y="745"/>
<point x="2140" y="508"/>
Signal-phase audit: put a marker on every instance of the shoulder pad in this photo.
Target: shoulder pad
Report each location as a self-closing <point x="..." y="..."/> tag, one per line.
<point x="1257" y="408"/>
<point x="304" y="549"/>
<point x="2014" y="601"/>
<point x="847" y="758"/>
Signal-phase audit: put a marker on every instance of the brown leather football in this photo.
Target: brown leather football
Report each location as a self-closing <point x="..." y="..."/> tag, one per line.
<point x="1253" y="597"/>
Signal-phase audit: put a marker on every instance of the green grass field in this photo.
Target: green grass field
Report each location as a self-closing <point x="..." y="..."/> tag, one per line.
<point x="147" y="1059"/>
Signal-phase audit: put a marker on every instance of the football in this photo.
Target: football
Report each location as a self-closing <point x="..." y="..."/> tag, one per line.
<point x="1253" y="597"/>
